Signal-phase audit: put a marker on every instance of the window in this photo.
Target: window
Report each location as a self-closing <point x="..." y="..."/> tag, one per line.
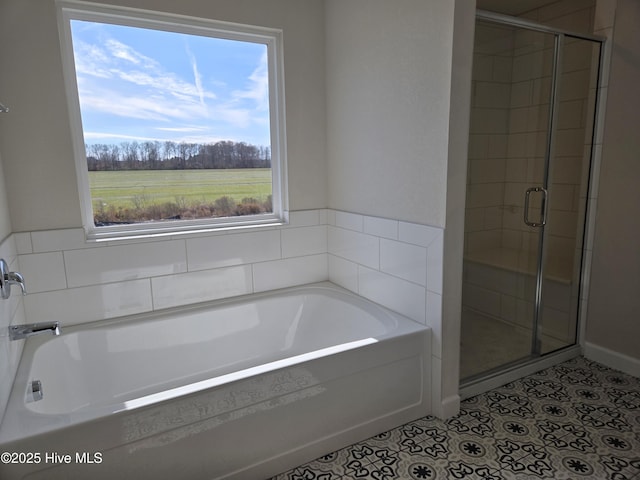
<point x="178" y="122"/>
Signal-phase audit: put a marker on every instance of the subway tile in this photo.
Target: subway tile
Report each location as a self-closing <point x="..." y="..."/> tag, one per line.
<point x="493" y="217"/>
<point x="331" y="217"/>
<point x="8" y="251"/>
<point x="381" y="227"/>
<point x="605" y="14"/>
<point x="489" y="120"/>
<point x="492" y="95"/>
<point x="297" y="242"/>
<point x="580" y="82"/>
<point x="576" y="22"/>
<point x="417" y="234"/>
<point x="87" y="304"/>
<point x="498" y="146"/>
<point x="567" y="170"/>
<point x="517" y="170"/>
<point x="303" y="218"/>
<point x="394" y="293"/>
<point x="23" y="242"/>
<point x="521" y="94"/>
<point x="489" y="170"/>
<point x="483" y="240"/>
<point x="58" y="240"/>
<point x="344" y="273"/>
<point x="350" y="221"/>
<point x="570" y="142"/>
<point x="434" y="320"/>
<point x="517" y="146"/>
<point x="478" y="146"/>
<point x="357" y="247"/>
<point x="124" y="262"/>
<point x="435" y="261"/>
<point x="536" y="144"/>
<point x="290" y="272"/>
<point x="562" y="224"/>
<point x="201" y="286"/>
<point x="482" y="67"/>
<point x="43" y="271"/>
<point x="474" y="219"/>
<point x="502" y="69"/>
<point x="235" y="249"/>
<point x="404" y="260"/>
<point x="561" y="197"/>
<point x="561" y="9"/>
<point x="481" y="300"/>
<point x="485" y="194"/>
<point x="518" y="120"/>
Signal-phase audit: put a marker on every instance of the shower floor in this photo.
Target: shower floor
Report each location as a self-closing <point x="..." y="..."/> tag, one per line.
<point x="487" y="343"/>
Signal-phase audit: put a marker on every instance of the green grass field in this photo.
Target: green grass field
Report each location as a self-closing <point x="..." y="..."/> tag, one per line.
<point x="125" y="187"/>
<point x="142" y="195"/>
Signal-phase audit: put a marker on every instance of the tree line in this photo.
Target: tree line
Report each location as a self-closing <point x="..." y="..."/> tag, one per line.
<point x="168" y="155"/>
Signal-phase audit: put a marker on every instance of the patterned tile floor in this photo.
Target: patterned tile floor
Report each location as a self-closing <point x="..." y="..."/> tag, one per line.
<point x="577" y="420"/>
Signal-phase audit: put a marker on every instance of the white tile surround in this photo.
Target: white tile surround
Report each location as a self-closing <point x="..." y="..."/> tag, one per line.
<point x="74" y="281"/>
<point x="395" y="263"/>
<point x="11" y="312"/>
<point x="391" y="262"/>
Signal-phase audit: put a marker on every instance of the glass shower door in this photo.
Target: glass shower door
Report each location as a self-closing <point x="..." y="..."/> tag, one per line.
<point x="506" y="194"/>
<point x="567" y="184"/>
<point x="531" y="135"/>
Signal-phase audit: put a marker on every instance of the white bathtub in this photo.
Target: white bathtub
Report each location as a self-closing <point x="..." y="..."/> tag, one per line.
<point x="241" y="388"/>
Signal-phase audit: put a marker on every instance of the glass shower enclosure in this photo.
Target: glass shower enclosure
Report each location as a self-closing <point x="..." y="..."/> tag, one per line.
<point x="530" y="149"/>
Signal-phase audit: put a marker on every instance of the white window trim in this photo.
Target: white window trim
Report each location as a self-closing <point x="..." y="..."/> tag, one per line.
<point x="68" y="10"/>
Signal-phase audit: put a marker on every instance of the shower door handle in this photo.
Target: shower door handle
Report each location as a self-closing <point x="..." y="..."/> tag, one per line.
<point x="543" y="208"/>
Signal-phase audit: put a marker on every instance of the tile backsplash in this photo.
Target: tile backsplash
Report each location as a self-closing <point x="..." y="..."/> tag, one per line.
<point x="391" y="262"/>
<point x="75" y="282"/>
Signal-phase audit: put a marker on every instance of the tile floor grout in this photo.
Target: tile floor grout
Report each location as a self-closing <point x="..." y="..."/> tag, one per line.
<point x="576" y="420"/>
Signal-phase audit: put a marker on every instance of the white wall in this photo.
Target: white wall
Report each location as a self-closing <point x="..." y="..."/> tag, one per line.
<point x="36" y="142"/>
<point x="613" y="329"/>
<point x="388" y="81"/>
<point x="5" y="220"/>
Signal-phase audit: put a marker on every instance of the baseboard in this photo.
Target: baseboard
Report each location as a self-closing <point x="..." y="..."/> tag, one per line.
<point x="448" y="407"/>
<point x="616" y="360"/>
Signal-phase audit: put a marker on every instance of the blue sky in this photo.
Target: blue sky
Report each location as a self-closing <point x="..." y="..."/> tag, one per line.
<point x="141" y="84"/>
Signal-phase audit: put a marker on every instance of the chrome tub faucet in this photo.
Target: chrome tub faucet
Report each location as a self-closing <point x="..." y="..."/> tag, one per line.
<point x="17" y="332"/>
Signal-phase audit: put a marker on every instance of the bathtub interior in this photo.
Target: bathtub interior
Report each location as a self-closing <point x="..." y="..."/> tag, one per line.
<point x="114" y="366"/>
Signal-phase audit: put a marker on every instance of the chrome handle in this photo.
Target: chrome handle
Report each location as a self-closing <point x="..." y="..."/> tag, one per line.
<point x="7" y="279"/>
<point x="543" y="207"/>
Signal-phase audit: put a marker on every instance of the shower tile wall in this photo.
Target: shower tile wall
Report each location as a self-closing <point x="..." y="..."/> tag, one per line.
<point x="508" y="134"/>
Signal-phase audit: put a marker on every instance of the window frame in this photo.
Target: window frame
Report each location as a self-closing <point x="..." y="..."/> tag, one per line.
<point x="68" y="10"/>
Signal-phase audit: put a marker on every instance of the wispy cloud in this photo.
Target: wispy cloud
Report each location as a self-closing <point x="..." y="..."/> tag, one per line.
<point x="257" y="88"/>
<point x="197" y="79"/>
<point x="168" y="93"/>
